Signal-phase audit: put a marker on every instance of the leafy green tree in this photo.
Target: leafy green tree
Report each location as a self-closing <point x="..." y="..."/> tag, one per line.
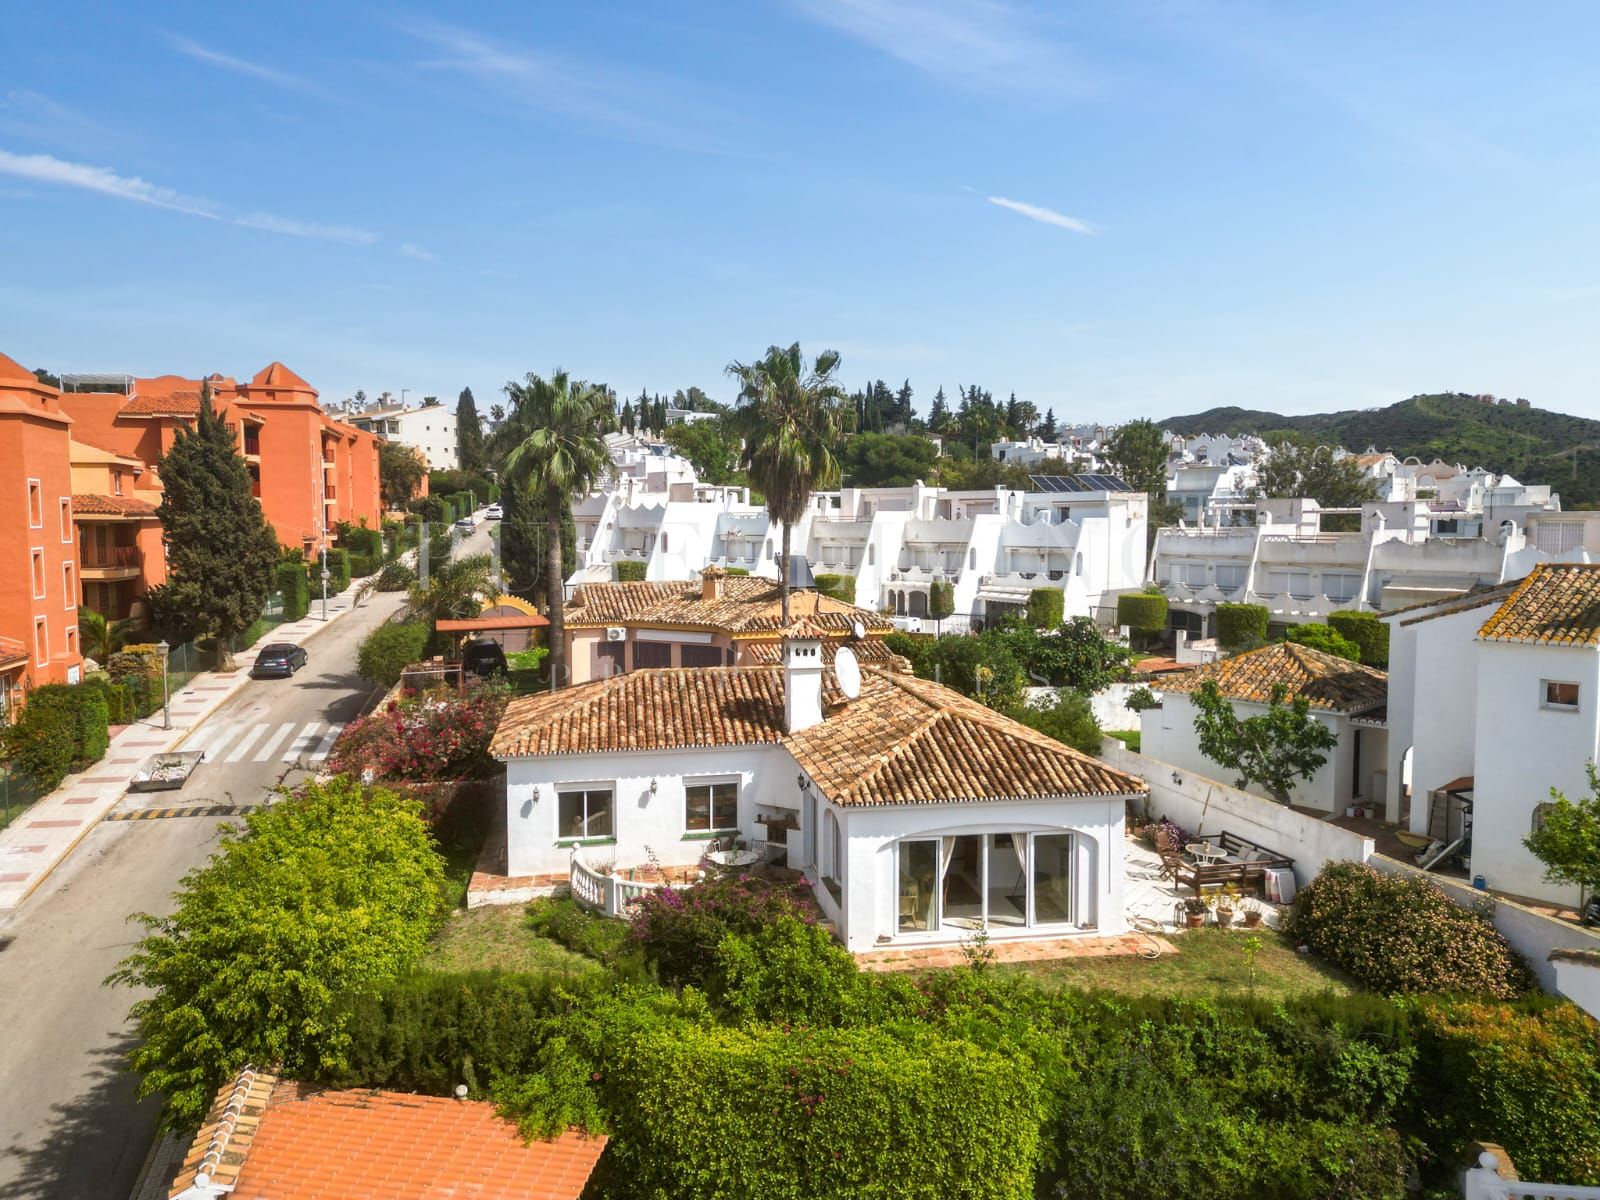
<point x="941" y="601"/>
<point x="221" y="553"/>
<point x="455" y="590"/>
<point x="1326" y="639"/>
<point x="887" y="460"/>
<point x="98" y="638"/>
<point x="790" y="417"/>
<point x="1294" y="469"/>
<point x="524" y="546"/>
<point x="711" y="446"/>
<point x="400" y="472"/>
<point x="1567" y="840"/>
<point x="1068" y="718"/>
<point x="982" y="667"/>
<point x="323" y="897"/>
<point x="469" y="434"/>
<point x="557" y="443"/>
<point x="1137" y="453"/>
<point x="1074" y="655"/>
<point x="1275" y="749"/>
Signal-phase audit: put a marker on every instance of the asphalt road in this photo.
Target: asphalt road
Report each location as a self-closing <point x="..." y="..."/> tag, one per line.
<point x="69" y="1123"/>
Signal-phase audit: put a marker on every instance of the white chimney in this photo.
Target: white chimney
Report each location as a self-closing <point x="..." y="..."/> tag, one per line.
<point x="802" y="678"/>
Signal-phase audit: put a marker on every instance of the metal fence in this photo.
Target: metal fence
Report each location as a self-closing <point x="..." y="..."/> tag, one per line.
<point x="18" y="792"/>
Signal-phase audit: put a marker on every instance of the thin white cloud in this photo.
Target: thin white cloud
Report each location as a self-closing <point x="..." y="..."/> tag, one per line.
<point x="45" y="168"/>
<point x="1046" y="216"/>
<point x="980" y="44"/>
<point x="638" y="105"/>
<point x="412" y="250"/>
<point x="241" y="66"/>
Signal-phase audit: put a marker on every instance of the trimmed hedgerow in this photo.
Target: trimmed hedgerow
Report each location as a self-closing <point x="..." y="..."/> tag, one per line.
<point x="389" y="649"/>
<point x="1402" y="934"/>
<point x="840" y="587"/>
<point x="1370" y="635"/>
<point x="44" y="738"/>
<point x="1241" y="626"/>
<point x="629" y="570"/>
<point x="290" y="580"/>
<point x="1144" y="613"/>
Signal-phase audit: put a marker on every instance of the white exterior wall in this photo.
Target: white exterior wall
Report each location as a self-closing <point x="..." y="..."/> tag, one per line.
<point x="871" y="892"/>
<point x="1168" y="733"/>
<point x="1524" y="751"/>
<point x="431" y="430"/>
<point x="642" y="823"/>
<point x="1579" y="981"/>
<point x="1433" y="689"/>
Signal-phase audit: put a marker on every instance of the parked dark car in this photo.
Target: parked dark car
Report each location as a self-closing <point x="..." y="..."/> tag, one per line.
<point x="278" y="660"/>
<point x="483" y="659"/>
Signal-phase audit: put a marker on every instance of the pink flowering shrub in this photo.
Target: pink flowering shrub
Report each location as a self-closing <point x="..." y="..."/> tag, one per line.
<point x="1402" y="934"/>
<point x="422" y="737"/>
<point x="679" y="929"/>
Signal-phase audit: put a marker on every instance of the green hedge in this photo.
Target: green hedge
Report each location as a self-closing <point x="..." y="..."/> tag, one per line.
<point x="1370" y="635"/>
<point x="1142" y="612"/>
<point x="338" y="572"/>
<point x="390" y="649"/>
<point x="62" y="728"/>
<point x="1046" y="607"/>
<point x="122" y="703"/>
<point x="629" y="571"/>
<point x="1241" y="626"/>
<point x="1324" y="638"/>
<point x="840" y="587"/>
<point x="736" y="570"/>
<point x="290" y="581"/>
<point x="817" y="1115"/>
<point x="362" y="565"/>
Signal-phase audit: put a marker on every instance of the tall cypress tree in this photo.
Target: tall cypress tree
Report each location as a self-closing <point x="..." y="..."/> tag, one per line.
<point x="470" y="456"/>
<point x="221" y="553"/>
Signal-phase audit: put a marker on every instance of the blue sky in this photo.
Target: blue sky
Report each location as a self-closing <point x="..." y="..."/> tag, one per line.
<point x="1113" y="209"/>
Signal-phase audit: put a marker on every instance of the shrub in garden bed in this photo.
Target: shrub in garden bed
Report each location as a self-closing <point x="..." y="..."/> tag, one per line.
<point x="575" y="927"/>
<point x="389" y="649"/>
<point x="290" y="581"/>
<point x="679" y="929"/>
<point x="436" y="735"/>
<point x="1402" y="933"/>
<point x="395" y="576"/>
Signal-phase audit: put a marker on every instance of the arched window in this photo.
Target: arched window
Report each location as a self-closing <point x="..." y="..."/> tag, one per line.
<point x="1540" y="812"/>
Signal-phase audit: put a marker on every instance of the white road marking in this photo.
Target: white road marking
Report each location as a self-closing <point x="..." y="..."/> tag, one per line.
<point x="265" y="752"/>
<point x="302" y="743"/>
<point x="326" y="744"/>
<point x="247" y="741"/>
<point x="212" y="738"/>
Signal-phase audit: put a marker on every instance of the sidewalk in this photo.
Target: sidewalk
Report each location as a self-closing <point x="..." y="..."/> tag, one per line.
<point x="37" y="842"/>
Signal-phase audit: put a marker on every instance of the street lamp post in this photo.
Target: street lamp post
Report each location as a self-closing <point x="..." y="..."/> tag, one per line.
<point x="166" y="711"/>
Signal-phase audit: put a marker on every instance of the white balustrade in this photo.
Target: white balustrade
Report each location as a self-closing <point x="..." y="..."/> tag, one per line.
<point x="610" y="895"/>
<point x="1483" y="1182"/>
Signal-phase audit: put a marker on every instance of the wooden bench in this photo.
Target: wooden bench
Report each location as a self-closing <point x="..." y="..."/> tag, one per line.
<point x="1245" y="867"/>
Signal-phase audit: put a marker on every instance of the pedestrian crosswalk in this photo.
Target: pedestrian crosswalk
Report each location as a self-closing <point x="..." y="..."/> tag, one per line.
<point x="236" y="741"/>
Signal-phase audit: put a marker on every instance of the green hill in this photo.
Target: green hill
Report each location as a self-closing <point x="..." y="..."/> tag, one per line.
<point x="1533" y="444"/>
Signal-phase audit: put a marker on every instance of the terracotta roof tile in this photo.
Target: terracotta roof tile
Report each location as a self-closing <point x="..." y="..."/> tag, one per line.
<point x="903" y="741"/>
<point x="172" y="404"/>
<point x="1557" y="604"/>
<point x="1330" y="683"/>
<point x="11" y="650"/>
<point x="116" y="506"/>
<point x="867" y="650"/>
<point x="299" y="1142"/>
<point x="748" y="605"/>
<point x="1474" y="597"/>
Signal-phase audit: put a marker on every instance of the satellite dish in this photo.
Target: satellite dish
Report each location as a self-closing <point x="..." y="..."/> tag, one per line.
<point x="858" y="629"/>
<point x="847" y="672"/>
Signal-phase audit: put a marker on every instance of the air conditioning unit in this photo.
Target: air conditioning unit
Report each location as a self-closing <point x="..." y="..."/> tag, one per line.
<point x="616" y="633"/>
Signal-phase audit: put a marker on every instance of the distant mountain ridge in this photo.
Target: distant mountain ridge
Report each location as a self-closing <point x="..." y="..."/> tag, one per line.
<point x="1533" y="444"/>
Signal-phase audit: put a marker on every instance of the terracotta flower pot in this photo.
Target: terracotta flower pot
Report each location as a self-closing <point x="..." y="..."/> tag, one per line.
<point x="1252" y="919"/>
<point x="1225" y="917"/>
<point x="1194" y="920"/>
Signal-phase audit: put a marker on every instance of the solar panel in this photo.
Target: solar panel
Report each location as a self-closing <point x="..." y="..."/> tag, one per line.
<point x="1078" y="483"/>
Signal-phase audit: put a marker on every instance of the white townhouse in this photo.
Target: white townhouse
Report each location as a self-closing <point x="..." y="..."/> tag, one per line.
<point x="1346" y="697"/>
<point x="917" y="815"/>
<point x="1403" y="553"/>
<point x="430" y="429"/>
<point x="1494" y="699"/>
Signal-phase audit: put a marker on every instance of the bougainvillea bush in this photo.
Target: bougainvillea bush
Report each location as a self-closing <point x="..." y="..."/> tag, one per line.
<point x="1401" y="933"/>
<point x="424" y="736"/>
<point x="679" y="929"/>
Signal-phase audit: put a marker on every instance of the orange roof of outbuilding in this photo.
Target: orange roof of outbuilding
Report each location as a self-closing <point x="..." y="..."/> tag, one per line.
<point x="11" y="650"/>
<point x="295" y="1141"/>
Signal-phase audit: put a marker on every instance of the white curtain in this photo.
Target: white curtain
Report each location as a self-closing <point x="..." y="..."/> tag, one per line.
<point x="947" y="849"/>
<point x="1019" y="843"/>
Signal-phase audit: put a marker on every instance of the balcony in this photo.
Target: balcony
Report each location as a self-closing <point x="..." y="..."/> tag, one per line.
<point x="110" y="563"/>
<point x="252" y="444"/>
<point x="329" y="493"/>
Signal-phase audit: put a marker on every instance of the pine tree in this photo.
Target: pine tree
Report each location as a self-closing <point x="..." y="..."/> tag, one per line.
<point x="903" y="412"/>
<point x="221" y="553"/>
<point x="469" y="434"/>
<point x="1047" y="431"/>
<point x="939" y="414"/>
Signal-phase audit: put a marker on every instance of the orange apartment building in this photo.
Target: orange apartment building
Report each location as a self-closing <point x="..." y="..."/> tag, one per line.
<point x="39" y="586"/>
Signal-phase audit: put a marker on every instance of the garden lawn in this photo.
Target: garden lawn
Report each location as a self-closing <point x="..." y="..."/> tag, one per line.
<point x="1209" y="962"/>
<point x="482" y="939"/>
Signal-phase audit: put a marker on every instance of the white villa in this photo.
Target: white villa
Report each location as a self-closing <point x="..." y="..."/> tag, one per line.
<point x="1345" y="696"/>
<point x="917" y="815"/>
<point x="1494" y="699"/>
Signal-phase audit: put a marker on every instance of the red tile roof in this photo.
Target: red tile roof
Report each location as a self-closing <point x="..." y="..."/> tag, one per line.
<point x="1558" y="605"/>
<point x="903" y="741"/>
<point x="294" y="1141"/>
<point x="11" y="650"/>
<point x="748" y="605"/>
<point x="112" y="506"/>
<point x="1328" y="682"/>
<point x="170" y="404"/>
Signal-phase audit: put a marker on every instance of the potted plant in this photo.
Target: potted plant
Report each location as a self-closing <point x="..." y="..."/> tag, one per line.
<point x="1252" y="913"/>
<point x="1194" y="912"/>
<point x="1226" y="900"/>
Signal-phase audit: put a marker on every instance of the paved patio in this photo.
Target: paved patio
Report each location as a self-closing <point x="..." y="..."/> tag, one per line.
<point x="1149" y="901"/>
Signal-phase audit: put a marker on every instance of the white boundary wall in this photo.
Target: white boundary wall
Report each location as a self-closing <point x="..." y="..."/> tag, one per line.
<point x="1531" y="934"/>
<point x="1205" y="806"/>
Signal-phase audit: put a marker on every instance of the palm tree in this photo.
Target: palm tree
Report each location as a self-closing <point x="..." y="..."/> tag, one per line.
<point x="791" y="419"/>
<point x="453" y="591"/>
<point x="554" y="443"/>
<point x="99" y="638"/>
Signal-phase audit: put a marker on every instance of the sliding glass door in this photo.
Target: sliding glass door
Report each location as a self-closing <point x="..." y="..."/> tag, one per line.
<point x="980" y="881"/>
<point x="1052" y="878"/>
<point x="918" y="888"/>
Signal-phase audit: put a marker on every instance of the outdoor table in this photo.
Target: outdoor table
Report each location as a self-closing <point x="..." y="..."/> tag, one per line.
<point x="735" y="858"/>
<point x="1205" y="853"/>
